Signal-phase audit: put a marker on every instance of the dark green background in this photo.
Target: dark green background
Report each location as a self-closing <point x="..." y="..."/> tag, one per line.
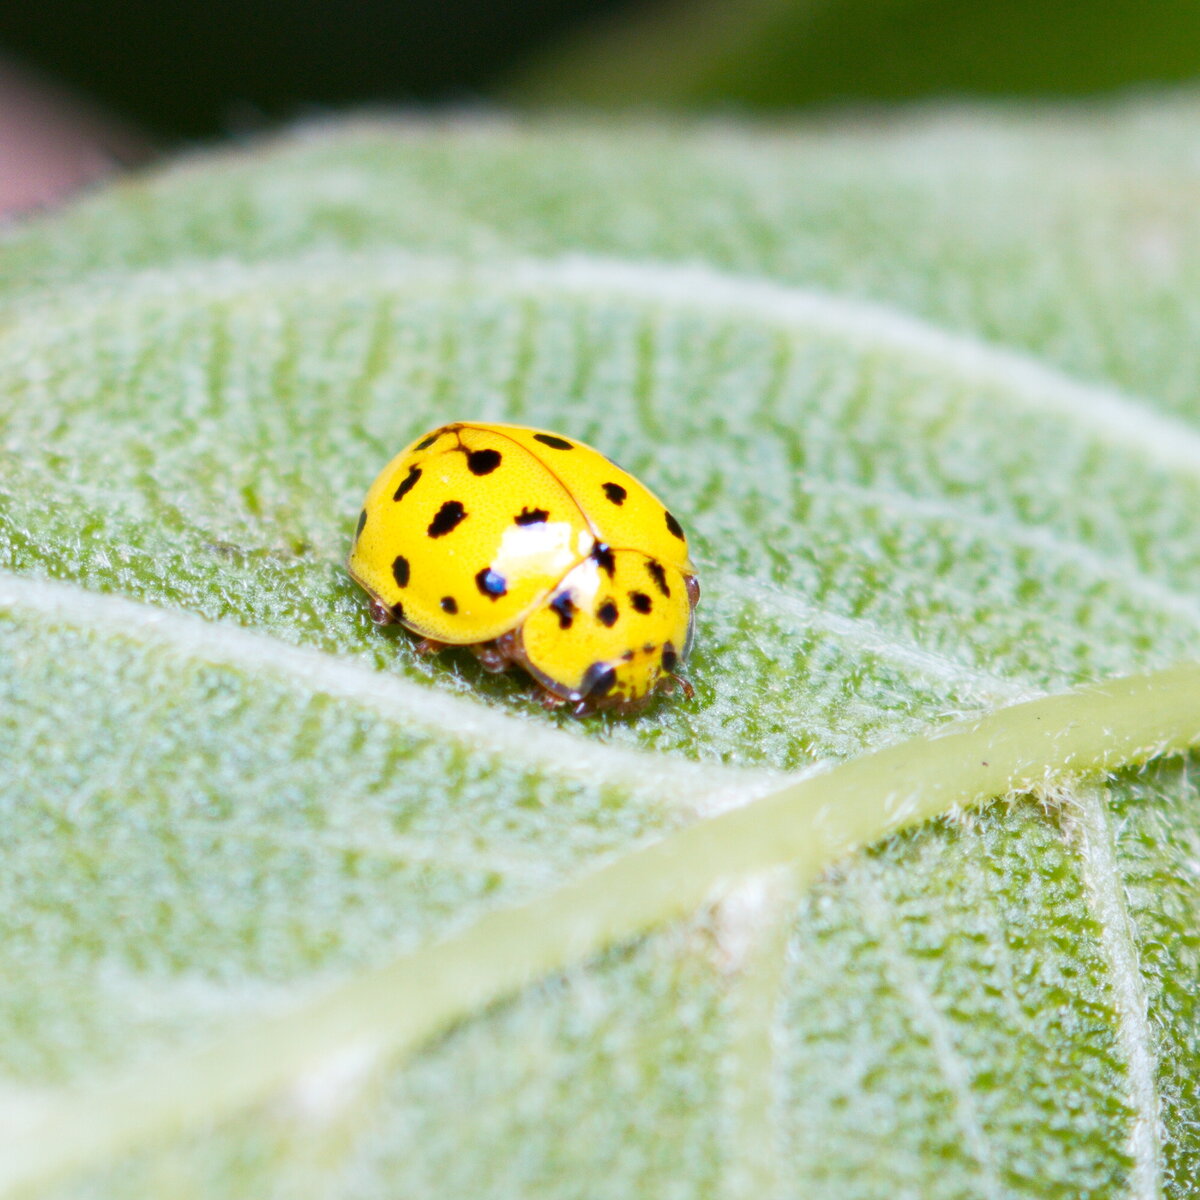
<point x="204" y="67"/>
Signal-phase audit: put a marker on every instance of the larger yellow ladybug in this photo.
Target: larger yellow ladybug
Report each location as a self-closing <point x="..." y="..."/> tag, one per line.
<point x="534" y="549"/>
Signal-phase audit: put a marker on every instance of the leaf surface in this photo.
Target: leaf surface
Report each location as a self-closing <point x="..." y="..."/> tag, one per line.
<point x="923" y="481"/>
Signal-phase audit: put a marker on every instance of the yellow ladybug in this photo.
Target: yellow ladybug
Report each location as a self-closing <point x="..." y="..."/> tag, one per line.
<point x="534" y="549"/>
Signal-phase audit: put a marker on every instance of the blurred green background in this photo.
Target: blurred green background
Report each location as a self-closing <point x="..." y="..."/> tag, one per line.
<point x="200" y="68"/>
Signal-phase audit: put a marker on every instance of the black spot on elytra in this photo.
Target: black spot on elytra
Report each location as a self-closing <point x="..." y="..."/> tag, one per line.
<point x="604" y="558"/>
<point x="397" y="612"/>
<point x="483" y="462"/>
<point x="641" y="602"/>
<point x="555" y="443"/>
<point x="615" y="492"/>
<point x="448" y="517"/>
<point x="627" y="656"/>
<point x="449" y="604"/>
<point x="674" y="526"/>
<point x="607" y="614"/>
<point x="491" y="584"/>
<point x="362" y="521"/>
<point x="531" y="516"/>
<point x="598" y="680"/>
<point x="426" y="442"/>
<point x="409" y="482"/>
<point x="564" y="606"/>
<point x="659" y="576"/>
<point x="670" y="660"/>
<point x="400" y="571"/>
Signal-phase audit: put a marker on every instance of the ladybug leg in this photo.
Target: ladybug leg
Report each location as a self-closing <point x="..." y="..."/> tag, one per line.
<point x="429" y="646"/>
<point x="548" y="700"/>
<point x="693" y="590"/>
<point x="380" y="613"/>
<point x="684" y="685"/>
<point x="508" y="650"/>
<point x="492" y="656"/>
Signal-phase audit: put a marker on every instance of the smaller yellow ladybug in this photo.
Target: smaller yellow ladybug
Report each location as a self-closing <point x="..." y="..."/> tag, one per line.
<point x="532" y="549"/>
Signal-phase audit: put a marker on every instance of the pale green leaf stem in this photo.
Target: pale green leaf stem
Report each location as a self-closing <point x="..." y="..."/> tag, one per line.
<point x="805" y="826"/>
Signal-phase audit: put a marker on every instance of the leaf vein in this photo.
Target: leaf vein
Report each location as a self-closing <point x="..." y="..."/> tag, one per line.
<point x="806" y="824"/>
<point x="1118" y="940"/>
<point x="1109" y="415"/>
<point x="394" y="699"/>
<point x="929" y="1018"/>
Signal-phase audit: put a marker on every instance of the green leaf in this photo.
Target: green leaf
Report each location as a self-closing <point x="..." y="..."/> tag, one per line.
<point x="782" y="53"/>
<point x="292" y="911"/>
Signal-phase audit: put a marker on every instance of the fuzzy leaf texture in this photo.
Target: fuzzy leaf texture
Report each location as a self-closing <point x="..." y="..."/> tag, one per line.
<point x="925" y="394"/>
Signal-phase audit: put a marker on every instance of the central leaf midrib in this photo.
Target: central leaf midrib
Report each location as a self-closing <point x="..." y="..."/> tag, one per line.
<point x="805" y="825"/>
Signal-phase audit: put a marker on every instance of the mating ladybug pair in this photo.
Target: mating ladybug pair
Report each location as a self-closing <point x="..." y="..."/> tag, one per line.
<point x="533" y="549"/>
